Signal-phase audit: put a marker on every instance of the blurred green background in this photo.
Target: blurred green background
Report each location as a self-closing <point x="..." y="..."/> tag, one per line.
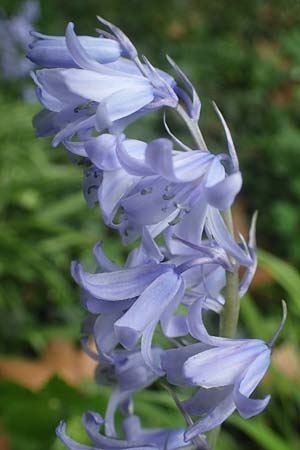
<point x="246" y="57"/>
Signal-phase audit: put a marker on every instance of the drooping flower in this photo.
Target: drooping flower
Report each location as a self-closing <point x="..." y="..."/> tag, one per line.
<point x="126" y="369"/>
<point x="226" y="370"/>
<point x="93" y="96"/>
<point x="129" y="302"/>
<point x="151" y="287"/>
<point x="135" y="436"/>
<point x="175" y="182"/>
<point x="52" y="51"/>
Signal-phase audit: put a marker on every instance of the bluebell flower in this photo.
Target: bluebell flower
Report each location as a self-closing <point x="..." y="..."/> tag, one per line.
<point x="52" y="51"/>
<point x="115" y="181"/>
<point x="176" y="183"/>
<point x="153" y="287"/>
<point x="131" y="301"/>
<point x="206" y="279"/>
<point x="135" y="436"/>
<point x="245" y="253"/>
<point x="127" y="370"/>
<point x="226" y="370"/>
<point x="97" y="96"/>
<point x="132" y="374"/>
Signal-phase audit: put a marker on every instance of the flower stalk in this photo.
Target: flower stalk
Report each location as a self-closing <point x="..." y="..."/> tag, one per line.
<point x="230" y="314"/>
<point x="193" y="127"/>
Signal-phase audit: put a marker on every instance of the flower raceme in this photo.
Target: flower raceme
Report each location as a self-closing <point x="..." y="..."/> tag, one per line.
<point x="91" y="89"/>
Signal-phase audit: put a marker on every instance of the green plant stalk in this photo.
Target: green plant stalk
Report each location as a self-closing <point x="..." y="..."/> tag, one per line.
<point x="193" y="127"/>
<point x="230" y="314"/>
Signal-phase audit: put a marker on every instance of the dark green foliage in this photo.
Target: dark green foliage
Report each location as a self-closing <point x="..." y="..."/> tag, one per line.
<point x="45" y="223"/>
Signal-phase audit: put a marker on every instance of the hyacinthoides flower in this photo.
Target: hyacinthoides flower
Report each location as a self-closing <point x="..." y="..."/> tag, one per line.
<point x="91" y="89"/>
<point x="227" y="370"/>
<point x="135" y="437"/>
<point x="92" y="95"/>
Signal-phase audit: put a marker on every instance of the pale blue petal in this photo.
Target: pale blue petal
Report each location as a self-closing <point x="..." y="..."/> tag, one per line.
<point x="221" y="366"/>
<point x="80" y="56"/>
<point x="128" y="99"/>
<point x="53" y="83"/>
<point x="221" y="234"/>
<point x="104" y="334"/>
<point x="77" y="148"/>
<point x="189" y="228"/>
<point x="173" y="325"/>
<point x="118" y="285"/>
<point x="151" y="204"/>
<point x="198" y="331"/>
<point x="176" y="166"/>
<point x="216" y="417"/>
<point x="248" y="407"/>
<point x="147" y="308"/>
<point x="172" y="361"/>
<point x="133" y="165"/>
<point x="87" y="84"/>
<point x="116" y="399"/>
<point x="157" y="228"/>
<point x="84" y="123"/>
<point x="222" y="194"/>
<point x="132" y="371"/>
<point x="97" y="306"/>
<point x="146" y="252"/>
<point x="101" y="152"/>
<point x="206" y="400"/>
<point x="67" y="441"/>
<point x="152" y="362"/>
<point x="215" y="174"/>
<point x="248" y="275"/>
<point x="256" y="371"/>
<point x="52" y="51"/>
<point x="114" y="187"/>
<point x="104" y="263"/>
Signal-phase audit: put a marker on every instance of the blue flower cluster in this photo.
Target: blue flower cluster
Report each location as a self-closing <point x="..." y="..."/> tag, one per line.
<point x="14" y="40"/>
<point x="91" y="89"/>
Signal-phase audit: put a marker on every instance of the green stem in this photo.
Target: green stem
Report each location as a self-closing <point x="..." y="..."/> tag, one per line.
<point x="193" y="127"/>
<point x="230" y="314"/>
